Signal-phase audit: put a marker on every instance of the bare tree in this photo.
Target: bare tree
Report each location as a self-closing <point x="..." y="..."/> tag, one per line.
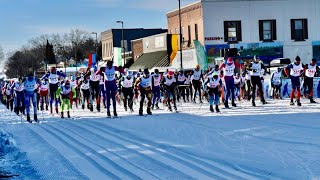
<point x="1" y="55"/>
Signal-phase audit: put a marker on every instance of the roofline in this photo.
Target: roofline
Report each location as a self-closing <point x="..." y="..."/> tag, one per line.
<point x="133" y="29"/>
<point x="183" y="7"/>
<point x="165" y="33"/>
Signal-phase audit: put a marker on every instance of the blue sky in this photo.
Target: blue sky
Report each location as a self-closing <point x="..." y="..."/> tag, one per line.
<point x="23" y="19"/>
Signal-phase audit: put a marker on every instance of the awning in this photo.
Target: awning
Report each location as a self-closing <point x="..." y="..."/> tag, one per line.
<point x="189" y="60"/>
<point x="149" y="60"/>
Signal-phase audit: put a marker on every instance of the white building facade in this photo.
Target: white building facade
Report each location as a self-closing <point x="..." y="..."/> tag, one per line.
<point x="267" y="28"/>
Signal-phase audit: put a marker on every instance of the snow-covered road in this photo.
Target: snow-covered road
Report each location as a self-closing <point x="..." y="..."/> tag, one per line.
<point x="276" y="141"/>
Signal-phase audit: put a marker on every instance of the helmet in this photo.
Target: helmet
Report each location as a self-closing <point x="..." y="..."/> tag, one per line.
<point x="279" y="69"/>
<point x="230" y="60"/>
<point x="298" y="58"/>
<point x="256" y="58"/>
<point x="156" y="71"/>
<point x="146" y="71"/>
<point x="130" y="73"/>
<point x="109" y="63"/>
<point x="170" y="73"/>
<point x="215" y="74"/>
<point x="197" y="66"/>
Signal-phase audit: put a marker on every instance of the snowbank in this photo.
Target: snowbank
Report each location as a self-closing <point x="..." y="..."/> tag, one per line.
<point x="13" y="163"/>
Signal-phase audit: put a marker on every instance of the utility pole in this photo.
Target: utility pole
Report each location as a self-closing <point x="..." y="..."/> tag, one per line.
<point x="181" y="43"/>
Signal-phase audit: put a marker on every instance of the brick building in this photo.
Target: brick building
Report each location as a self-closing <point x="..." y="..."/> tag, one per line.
<point x="112" y="38"/>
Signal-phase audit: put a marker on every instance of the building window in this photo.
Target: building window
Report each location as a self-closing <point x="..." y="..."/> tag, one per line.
<point x="171" y="31"/>
<point x="267" y="30"/>
<point x="189" y="36"/>
<point x="176" y="31"/>
<point x="299" y="29"/>
<point x="232" y="31"/>
<point x="196" y="31"/>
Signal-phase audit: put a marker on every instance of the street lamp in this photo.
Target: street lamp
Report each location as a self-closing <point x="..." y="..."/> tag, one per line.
<point x="180" y="35"/>
<point x="122" y="45"/>
<point x="96" y="44"/>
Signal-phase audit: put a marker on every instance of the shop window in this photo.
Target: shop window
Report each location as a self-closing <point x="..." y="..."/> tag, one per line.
<point x="267" y="30"/>
<point x="232" y="31"/>
<point x="299" y="29"/>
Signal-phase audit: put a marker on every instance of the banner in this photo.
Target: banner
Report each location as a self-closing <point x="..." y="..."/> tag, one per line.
<point x="172" y="46"/>
<point x="201" y="55"/>
<point x="117" y="57"/>
<point x="287" y="87"/>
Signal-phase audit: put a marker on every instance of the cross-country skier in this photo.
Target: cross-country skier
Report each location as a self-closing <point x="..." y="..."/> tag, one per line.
<point x="310" y="70"/>
<point x="127" y="83"/>
<point x="296" y="70"/>
<point x="85" y="90"/>
<point x="144" y="83"/>
<point x="229" y="67"/>
<point x="64" y="93"/>
<point x="214" y="90"/>
<point x="30" y="87"/>
<point x="169" y="85"/>
<point x="255" y="69"/>
<point x="237" y="85"/>
<point x="44" y="94"/>
<point x="94" y="87"/>
<point x="53" y="75"/>
<point x="181" y="79"/>
<point x="102" y="92"/>
<point x="17" y="89"/>
<point x="111" y="86"/>
<point x="156" y="80"/>
<point x="196" y="82"/>
<point x="8" y="95"/>
<point x="276" y="83"/>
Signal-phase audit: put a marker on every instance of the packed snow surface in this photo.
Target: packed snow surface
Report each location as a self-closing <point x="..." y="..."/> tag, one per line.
<point x="273" y="141"/>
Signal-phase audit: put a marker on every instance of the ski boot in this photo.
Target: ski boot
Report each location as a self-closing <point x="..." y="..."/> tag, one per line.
<point x="47" y="108"/>
<point x="98" y="107"/>
<point x="51" y="110"/>
<point x="149" y="111"/>
<point x="140" y="112"/>
<point x="253" y="104"/>
<point x="28" y="118"/>
<point x="68" y="114"/>
<point x="83" y="106"/>
<point x="91" y="107"/>
<point x="41" y="108"/>
<point x="62" y="115"/>
<point x="263" y="102"/>
<point x="211" y="108"/>
<point x="131" y="109"/>
<point x="170" y="109"/>
<point x="108" y="114"/>
<point x="312" y="101"/>
<point x="157" y="106"/>
<point x="217" y="109"/>
<point x="16" y="110"/>
<point x="298" y="102"/>
<point x="226" y="105"/>
<point x="57" y="111"/>
<point x="291" y="102"/>
<point x="175" y="108"/>
<point x="35" y="117"/>
<point x="115" y="113"/>
<point x="233" y="104"/>
<point x="125" y="108"/>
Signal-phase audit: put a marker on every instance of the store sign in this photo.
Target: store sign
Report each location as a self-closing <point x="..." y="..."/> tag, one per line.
<point x="213" y="38"/>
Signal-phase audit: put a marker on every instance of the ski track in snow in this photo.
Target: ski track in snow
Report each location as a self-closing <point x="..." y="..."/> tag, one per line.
<point x="273" y="141"/>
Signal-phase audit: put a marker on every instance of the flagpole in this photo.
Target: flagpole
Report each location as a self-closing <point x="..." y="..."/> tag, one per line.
<point x="181" y="66"/>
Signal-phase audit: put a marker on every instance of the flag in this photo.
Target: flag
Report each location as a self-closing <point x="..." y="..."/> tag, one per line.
<point x="201" y="55"/>
<point x="92" y="60"/>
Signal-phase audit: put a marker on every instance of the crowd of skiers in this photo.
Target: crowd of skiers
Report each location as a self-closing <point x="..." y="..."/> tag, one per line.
<point x="230" y="81"/>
